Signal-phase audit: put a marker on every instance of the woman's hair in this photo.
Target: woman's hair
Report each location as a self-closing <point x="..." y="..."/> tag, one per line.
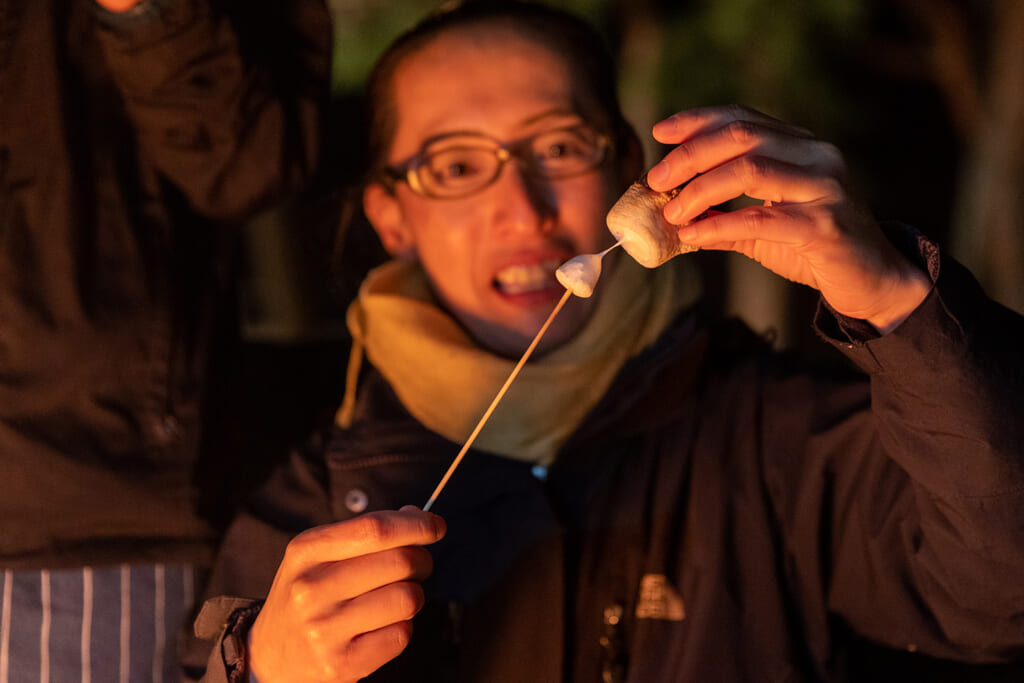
<point x="564" y="34"/>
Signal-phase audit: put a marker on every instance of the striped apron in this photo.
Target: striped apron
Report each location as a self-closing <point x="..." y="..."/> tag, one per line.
<point x="117" y="624"/>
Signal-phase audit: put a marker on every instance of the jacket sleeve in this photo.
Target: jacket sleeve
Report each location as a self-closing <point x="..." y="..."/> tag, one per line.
<point x="906" y="517"/>
<point x="227" y="99"/>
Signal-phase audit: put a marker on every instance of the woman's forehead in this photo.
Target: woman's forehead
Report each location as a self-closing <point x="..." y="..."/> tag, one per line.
<point x="490" y="79"/>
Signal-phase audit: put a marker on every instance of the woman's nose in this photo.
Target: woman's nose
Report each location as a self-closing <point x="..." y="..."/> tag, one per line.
<point x="525" y="201"/>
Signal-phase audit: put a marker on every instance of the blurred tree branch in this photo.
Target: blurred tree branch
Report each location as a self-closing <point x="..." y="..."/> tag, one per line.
<point x="949" y="58"/>
<point x="980" y="75"/>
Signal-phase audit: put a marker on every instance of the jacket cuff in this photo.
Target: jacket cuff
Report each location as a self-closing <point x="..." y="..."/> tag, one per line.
<point x="933" y="318"/>
<point x="230" y="619"/>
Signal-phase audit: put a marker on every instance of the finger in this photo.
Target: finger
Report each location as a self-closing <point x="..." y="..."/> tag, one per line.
<point x="769" y="253"/>
<point x="753" y="226"/>
<point x="754" y="176"/>
<point x="686" y="124"/>
<point x="390" y="604"/>
<point x="710" y="149"/>
<point x="369" y="533"/>
<point x="370" y="651"/>
<point x="346" y="579"/>
<point x="347" y="620"/>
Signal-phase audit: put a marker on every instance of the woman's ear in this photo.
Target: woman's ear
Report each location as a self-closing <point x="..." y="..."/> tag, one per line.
<point x="385" y="215"/>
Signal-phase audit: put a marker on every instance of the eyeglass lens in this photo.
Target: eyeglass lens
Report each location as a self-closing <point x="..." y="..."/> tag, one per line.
<point x="467" y="166"/>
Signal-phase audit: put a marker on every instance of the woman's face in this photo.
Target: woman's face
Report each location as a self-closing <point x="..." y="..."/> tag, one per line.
<point x="491" y="255"/>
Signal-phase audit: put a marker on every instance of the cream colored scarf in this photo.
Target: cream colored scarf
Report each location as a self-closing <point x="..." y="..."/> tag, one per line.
<point x="446" y="382"/>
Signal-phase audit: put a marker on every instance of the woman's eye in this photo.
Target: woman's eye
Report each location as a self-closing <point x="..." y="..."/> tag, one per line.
<point x="562" y="147"/>
<point x="456" y="165"/>
<point x="456" y="170"/>
<point x="558" y="149"/>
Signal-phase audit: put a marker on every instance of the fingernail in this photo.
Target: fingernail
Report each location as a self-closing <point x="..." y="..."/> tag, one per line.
<point x="659" y="175"/>
<point x="673" y="212"/>
<point x="687" y="232"/>
<point x="440" y="526"/>
<point x="664" y="127"/>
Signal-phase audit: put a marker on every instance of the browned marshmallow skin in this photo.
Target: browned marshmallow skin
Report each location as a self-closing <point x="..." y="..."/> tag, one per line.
<point x="637" y="220"/>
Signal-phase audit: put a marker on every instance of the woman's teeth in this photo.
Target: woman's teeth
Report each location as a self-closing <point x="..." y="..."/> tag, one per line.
<point x="520" y="279"/>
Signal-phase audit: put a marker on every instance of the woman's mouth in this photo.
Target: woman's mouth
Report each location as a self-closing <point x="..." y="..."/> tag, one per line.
<point x="526" y="279"/>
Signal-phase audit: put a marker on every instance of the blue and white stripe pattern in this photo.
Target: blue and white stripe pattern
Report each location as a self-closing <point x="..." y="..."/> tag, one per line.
<point x="94" y="625"/>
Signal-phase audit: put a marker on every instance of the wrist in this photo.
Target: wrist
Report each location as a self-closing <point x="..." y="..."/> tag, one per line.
<point x="248" y="658"/>
<point x="911" y="289"/>
<point x="236" y="643"/>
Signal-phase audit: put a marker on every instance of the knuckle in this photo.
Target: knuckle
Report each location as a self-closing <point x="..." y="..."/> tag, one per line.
<point x="326" y="671"/>
<point x="833" y="188"/>
<point x="401" y="635"/>
<point x="405" y="561"/>
<point x="831" y="155"/>
<point x="751" y="169"/>
<point x="736" y="111"/>
<point x="825" y="226"/>
<point x="372" y="529"/>
<point x="313" y="634"/>
<point x="683" y="155"/>
<point x="301" y="546"/>
<point x="741" y="132"/>
<point x="407" y="599"/>
<point x="300" y="595"/>
<point x="756" y="217"/>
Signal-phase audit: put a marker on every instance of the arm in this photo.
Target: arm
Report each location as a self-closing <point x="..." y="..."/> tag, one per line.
<point x="905" y="517"/>
<point x="228" y="109"/>
<point x="947" y="391"/>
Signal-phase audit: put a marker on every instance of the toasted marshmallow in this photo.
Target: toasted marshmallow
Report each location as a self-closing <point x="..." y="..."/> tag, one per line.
<point x="638" y="222"/>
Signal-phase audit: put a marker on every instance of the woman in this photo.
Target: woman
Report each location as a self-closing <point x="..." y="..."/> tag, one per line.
<point x="658" y="497"/>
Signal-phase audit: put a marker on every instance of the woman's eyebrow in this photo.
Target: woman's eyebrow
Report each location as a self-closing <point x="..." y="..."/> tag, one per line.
<point x="453" y="134"/>
<point x="552" y="113"/>
<point x="527" y="122"/>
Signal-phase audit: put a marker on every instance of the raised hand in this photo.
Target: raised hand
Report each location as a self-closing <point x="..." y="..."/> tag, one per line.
<point x="343" y="598"/>
<point x="809" y="229"/>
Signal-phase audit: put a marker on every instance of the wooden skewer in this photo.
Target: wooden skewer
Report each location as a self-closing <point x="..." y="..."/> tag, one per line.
<point x="494" y="403"/>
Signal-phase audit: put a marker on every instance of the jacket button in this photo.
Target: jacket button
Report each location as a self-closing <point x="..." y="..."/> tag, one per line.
<point x="356" y="501"/>
<point x="165" y="429"/>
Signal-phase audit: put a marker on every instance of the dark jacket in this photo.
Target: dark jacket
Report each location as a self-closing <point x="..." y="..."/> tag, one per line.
<point x="130" y="148"/>
<point x="722" y="515"/>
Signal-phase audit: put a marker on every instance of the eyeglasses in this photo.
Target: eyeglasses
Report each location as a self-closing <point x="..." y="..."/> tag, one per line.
<point x="460" y="164"/>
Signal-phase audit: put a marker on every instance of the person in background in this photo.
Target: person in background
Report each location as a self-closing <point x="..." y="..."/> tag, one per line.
<point x="136" y="138"/>
<point x="660" y="496"/>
